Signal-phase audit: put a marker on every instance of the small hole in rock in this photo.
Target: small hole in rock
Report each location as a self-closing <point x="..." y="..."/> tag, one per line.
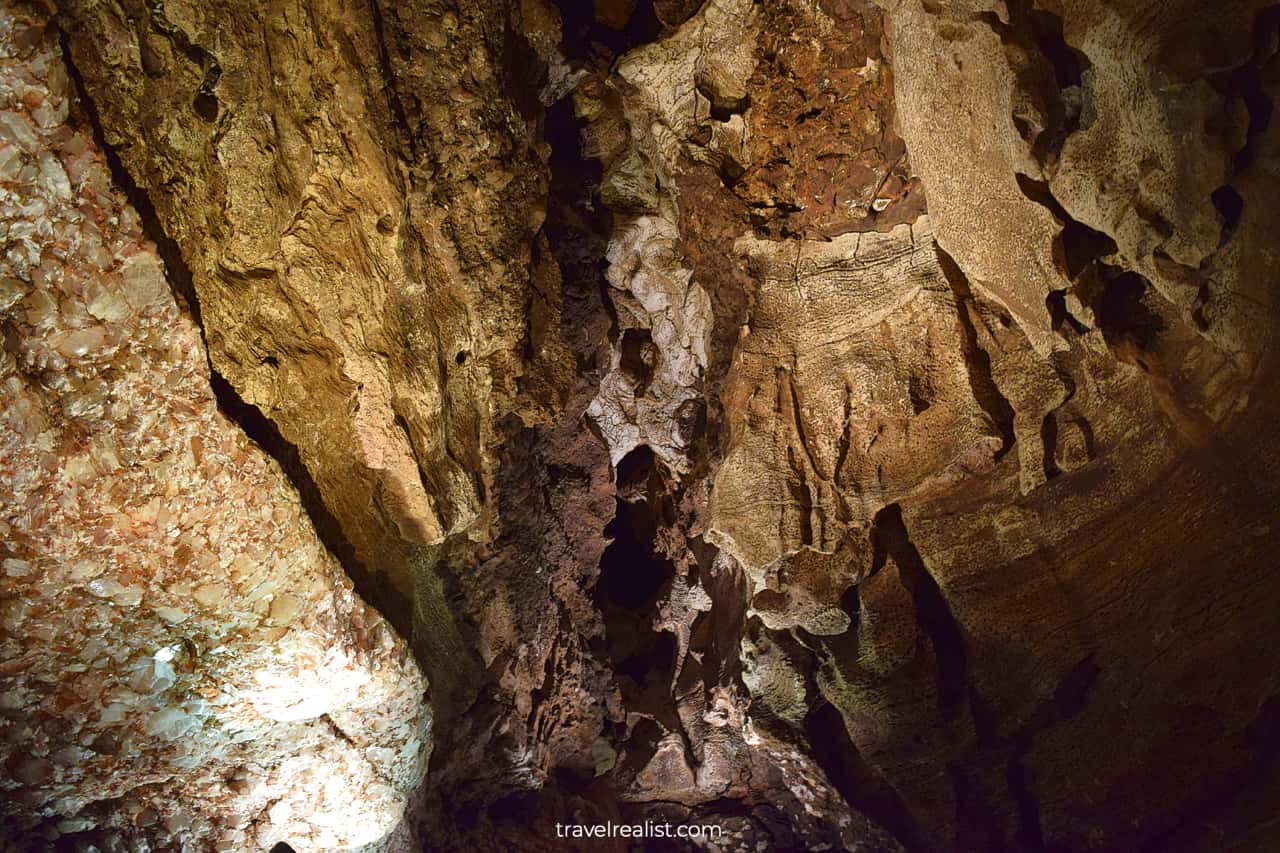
<point x="461" y="357"/>
<point x="639" y="358"/>
<point x="1059" y="315"/>
<point x="1082" y="245"/>
<point x="634" y="470"/>
<point x="1230" y="207"/>
<point x="206" y="106"/>
<point x="1123" y="315"/>
<point x="919" y="395"/>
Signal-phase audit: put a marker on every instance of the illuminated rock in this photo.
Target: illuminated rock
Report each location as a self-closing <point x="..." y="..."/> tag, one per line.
<point x="182" y="662"/>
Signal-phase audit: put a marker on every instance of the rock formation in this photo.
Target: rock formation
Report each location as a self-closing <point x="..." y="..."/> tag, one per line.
<point x="184" y="661"/>
<point x="847" y="424"/>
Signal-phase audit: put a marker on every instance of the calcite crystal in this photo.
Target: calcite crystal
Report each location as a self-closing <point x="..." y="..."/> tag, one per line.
<point x="183" y="665"/>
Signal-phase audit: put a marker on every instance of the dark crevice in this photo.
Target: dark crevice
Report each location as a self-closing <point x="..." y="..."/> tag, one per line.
<point x="1066" y="95"/>
<point x="1082" y="246"/>
<point x="1069" y="699"/>
<point x="631" y="574"/>
<point x="1049" y="438"/>
<point x="398" y="113"/>
<point x="1077" y="250"/>
<point x="264" y="432"/>
<point x="337" y="731"/>
<point x="635" y="470"/>
<point x="721" y="650"/>
<point x="639" y="358"/>
<point x="851" y="604"/>
<point x="587" y="38"/>
<point x="632" y="577"/>
<point x="1069" y="66"/>
<point x="1068" y="63"/>
<point x="256" y="426"/>
<point x="891" y="541"/>
<point x="1039" y="192"/>
<point x="730" y="171"/>
<point x="1198" y="316"/>
<point x="1122" y="313"/>
<point x="524" y="72"/>
<point x="1230" y="207"/>
<point x="723" y="108"/>
<point x="977" y="360"/>
<point x="865" y="790"/>
<point x="1245" y="82"/>
<point x="577" y="232"/>
<point x="1060" y="316"/>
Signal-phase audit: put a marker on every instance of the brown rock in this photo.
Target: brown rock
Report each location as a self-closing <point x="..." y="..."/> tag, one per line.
<point x="184" y="663"/>
<point x="354" y="199"/>
<point x="720" y="483"/>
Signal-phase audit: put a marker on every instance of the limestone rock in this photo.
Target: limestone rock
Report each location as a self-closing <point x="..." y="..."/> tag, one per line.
<point x="849" y="424"/>
<point x="850" y="391"/>
<point x="355" y="203"/>
<point x="184" y="664"/>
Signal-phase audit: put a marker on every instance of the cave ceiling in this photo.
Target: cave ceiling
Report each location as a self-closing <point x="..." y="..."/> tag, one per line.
<point x="844" y="424"/>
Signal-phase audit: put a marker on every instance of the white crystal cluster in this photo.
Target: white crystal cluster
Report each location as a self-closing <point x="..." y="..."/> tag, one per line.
<point x="182" y="663"/>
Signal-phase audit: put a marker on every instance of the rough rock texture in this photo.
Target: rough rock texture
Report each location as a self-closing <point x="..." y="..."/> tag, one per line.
<point x="849" y="391"/>
<point x="168" y="611"/>
<point x="721" y="477"/>
<point x="353" y="195"/>
<point x="1071" y="607"/>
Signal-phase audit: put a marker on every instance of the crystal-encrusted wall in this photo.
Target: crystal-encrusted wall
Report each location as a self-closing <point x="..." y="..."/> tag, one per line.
<point x="182" y="660"/>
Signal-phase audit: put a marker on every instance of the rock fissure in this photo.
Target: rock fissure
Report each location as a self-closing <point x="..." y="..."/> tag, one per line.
<point x="261" y="430"/>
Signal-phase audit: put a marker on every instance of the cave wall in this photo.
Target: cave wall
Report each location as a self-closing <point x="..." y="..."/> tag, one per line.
<point x="185" y="664"/>
<point x="844" y="422"/>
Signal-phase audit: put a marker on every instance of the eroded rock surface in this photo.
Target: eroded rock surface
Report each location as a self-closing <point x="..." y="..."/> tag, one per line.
<point x="846" y="423"/>
<point x="850" y="391"/>
<point x="184" y="664"/>
<point x="353" y="193"/>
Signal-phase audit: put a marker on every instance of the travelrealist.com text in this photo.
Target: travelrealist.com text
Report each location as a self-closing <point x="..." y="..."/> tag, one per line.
<point x="647" y="829"/>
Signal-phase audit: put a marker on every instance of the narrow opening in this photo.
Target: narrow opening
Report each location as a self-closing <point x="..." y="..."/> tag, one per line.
<point x="1123" y="315"/>
<point x="634" y="470"/>
<point x="1230" y="207"/>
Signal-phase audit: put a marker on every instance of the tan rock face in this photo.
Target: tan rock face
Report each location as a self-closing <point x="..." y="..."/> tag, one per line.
<point x="169" y="613"/>
<point x="849" y="391"/>
<point x="354" y="198"/>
